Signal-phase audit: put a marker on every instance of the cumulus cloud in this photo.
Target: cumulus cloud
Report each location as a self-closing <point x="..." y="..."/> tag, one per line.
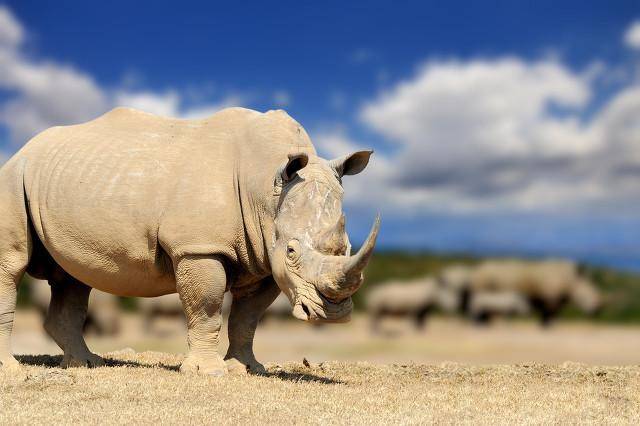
<point x="166" y="104"/>
<point x="632" y="35"/>
<point x="500" y="134"/>
<point x="46" y="93"/>
<point x="11" y="32"/>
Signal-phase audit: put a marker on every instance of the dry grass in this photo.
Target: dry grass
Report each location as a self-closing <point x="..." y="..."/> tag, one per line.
<point x="146" y="388"/>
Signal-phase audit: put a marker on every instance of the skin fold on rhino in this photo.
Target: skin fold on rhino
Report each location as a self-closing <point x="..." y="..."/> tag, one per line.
<point x="134" y="204"/>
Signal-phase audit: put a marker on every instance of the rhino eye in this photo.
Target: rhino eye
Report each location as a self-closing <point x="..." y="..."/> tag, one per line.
<point x="293" y="249"/>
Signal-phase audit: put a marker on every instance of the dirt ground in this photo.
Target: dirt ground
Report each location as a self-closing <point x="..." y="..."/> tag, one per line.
<point x="451" y="372"/>
<point x="145" y="388"/>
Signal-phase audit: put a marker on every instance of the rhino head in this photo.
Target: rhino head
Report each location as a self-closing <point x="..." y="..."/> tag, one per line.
<point x="311" y="257"/>
<point x="586" y="297"/>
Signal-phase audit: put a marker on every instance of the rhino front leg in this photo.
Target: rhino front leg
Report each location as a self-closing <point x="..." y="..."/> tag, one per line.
<point x="201" y="283"/>
<point x="65" y="320"/>
<point x="246" y="311"/>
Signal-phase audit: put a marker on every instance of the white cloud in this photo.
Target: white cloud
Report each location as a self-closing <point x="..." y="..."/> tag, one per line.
<point x="206" y="110"/>
<point x="499" y="135"/>
<point x="47" y="93"/>
<point x="11" y="32"/>
<point x="632" y="35"/>
<point x="165" y="104"/>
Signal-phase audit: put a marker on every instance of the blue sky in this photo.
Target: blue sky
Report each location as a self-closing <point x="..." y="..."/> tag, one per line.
<point x="500" y="127"/>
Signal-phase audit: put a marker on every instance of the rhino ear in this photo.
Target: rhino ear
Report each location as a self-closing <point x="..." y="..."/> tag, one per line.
<point x="296" y="162"/>
<point x="351" y="164"/>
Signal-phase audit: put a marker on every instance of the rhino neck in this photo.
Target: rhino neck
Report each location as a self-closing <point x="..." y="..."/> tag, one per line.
<point x="257" y="225"/>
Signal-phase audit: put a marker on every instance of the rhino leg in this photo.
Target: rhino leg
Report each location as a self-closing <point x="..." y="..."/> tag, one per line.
<point x="65" y="321"/>
<point x="15" y="253"/>
<point x="8" y="295"/>
<point x="201" y="282"/>
<point x="421" y="317"/>
<point x="246" y="311"/>
<point x="374" y="321"/>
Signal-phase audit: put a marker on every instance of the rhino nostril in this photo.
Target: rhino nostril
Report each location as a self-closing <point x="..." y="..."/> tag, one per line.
<point x="334" y="298"/>
<point x="306" y="310"/>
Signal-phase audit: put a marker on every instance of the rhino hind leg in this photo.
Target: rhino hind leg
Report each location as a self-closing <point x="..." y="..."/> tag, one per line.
<point x="246" y="311"/>
<point x="421" y="317"/>
<point x="201" y="283"/>
<point x="65" y="321"/>
<point x="15" y="252"/>
<point x="8" y="295"/>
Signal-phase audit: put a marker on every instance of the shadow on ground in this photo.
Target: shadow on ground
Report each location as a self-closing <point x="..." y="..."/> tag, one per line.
<point x="53" y="361"/>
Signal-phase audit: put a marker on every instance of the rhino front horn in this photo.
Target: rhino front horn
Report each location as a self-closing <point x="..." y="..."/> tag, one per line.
<point x="356" y="263"/>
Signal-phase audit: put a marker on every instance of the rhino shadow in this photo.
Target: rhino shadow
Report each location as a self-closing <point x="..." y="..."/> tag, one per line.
<point x="301" y="377"/>
<point x="53" y="361"/>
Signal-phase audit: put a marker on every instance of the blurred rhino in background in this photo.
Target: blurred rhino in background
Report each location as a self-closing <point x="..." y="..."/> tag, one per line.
<point x="166" y="306"/>
<point x="103" y="311"/>
<point x="280" y="308"/>
<point x="169" y="306"/>
<point x="484" y="305"/>
<point x="547" y="285"/>
<point x="411" y="299"/>
<point x="456" y="279"/>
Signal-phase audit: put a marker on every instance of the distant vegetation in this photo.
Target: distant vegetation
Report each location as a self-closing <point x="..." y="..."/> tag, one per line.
<point x="621" y="289"/>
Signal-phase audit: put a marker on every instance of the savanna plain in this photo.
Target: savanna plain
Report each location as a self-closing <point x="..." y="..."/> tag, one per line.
<point x="451" y="372"/>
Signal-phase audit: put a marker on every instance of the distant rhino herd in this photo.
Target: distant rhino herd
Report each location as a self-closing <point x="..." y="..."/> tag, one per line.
<point x="493" y="288"/>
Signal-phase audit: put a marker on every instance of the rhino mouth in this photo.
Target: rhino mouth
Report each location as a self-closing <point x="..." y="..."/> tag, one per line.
<point x="312" y="306"/>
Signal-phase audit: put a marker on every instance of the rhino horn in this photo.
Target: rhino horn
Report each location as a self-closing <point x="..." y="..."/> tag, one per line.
<point x="359" y="261"/>
<point x="342" y="275"/>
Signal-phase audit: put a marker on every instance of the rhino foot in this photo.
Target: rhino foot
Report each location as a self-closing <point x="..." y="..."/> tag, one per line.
<point x="237" y="367"/>
<point x="86" y="360"/>
<point x="194" y="364"/>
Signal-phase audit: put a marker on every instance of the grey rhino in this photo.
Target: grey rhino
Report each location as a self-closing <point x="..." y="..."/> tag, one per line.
<point x="547" y="285"/>
<point x="139" y="205"/>
<point x="166" y="306"/>
<point x="414" y="299"/>
<point x="484" y="305"/>
<point x="169" y="306"/>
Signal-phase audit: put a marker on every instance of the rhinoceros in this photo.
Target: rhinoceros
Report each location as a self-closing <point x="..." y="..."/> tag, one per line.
<point x="414" y="299"/>
<point x="547" y="285"/>
<point x="485" y="305"/>
<point x="139" y="205"/>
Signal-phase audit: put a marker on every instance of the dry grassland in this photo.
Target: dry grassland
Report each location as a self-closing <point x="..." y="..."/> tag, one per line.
<point x="145" y="388"/>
